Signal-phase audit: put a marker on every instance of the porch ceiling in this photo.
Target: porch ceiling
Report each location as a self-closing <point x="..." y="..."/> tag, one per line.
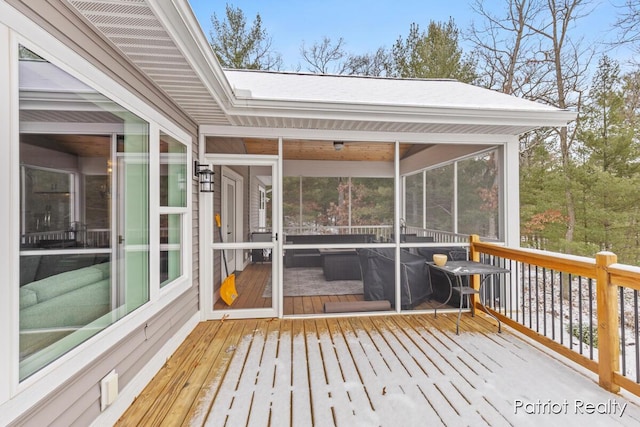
<point x="324" y="150"/>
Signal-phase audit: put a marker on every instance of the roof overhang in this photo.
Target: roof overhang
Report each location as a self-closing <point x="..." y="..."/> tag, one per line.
<point x="165" y="41"/>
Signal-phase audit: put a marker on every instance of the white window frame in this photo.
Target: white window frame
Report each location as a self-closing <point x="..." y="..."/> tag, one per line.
<point x="16" y="29"/>
<point x="185" y="218"/>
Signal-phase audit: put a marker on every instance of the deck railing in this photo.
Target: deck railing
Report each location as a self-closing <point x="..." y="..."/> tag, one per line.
<point x="438" y="235"/>
<point x="583" y="308"/>
<point x="382" y="232"/>
<point x="81" y="237"/>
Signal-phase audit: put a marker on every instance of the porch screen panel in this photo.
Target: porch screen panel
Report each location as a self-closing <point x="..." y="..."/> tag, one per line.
<point x="414" y="202"/>
<point x="84" y="212"/>
<point x="439" y="192"/>
<point x="325" y="205"/>
<point x="478" y="196"/>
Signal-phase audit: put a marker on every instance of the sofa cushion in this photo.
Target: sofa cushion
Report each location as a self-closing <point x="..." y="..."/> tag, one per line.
<point x="71" y="310"/>
<point x="27" y="298"/>
<point x="62" y="283"/>
<point x="105" y="268"/>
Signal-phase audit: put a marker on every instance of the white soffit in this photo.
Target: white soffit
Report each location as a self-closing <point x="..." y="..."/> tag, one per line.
<point x="133" y="28"/>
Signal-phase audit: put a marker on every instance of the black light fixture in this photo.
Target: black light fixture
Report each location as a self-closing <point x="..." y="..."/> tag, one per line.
<point x="205" y="176"/>
<point x="338" y="145"/>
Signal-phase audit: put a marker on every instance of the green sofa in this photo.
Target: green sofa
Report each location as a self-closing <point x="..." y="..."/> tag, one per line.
<point x="57" y="305"/>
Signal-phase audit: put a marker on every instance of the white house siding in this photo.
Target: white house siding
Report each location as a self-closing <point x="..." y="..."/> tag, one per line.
<point x="77" y="400"/>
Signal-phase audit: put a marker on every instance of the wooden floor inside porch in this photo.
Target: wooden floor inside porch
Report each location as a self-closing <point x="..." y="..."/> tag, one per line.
<point x="398" y="370"/>
<point x="251" y="283"/>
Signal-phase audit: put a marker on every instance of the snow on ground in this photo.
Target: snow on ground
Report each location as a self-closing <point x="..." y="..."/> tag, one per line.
<point x="402" y="371"/>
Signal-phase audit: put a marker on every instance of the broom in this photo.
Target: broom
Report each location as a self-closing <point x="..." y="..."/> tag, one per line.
<point x="228" y="291"/>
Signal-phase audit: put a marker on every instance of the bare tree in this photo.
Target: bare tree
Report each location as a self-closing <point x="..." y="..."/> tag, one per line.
<point x="570" y="62"/>
<point x="505" y="47"/>
<point x="530" y="51"/>
<point x="324" y="57"/>
<point x="369" y="64"/>
<point x="629" y="24"/>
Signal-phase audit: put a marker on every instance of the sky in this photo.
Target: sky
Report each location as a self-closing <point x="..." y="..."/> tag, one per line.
<point x="366" y="25"/>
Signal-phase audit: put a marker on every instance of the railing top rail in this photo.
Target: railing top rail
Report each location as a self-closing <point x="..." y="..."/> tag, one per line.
<point x="572" y="264"/>
<point x="625" y="275"/>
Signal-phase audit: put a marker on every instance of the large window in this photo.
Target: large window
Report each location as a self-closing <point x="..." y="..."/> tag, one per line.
<point x="84" y="212"/>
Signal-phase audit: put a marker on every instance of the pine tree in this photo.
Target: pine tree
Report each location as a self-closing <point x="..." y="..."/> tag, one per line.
<point x="237" y="46"/>
<point x="432" y="54"/>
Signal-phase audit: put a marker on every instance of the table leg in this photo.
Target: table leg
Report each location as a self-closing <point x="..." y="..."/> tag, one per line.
<point x="459" y="281"/>
<point x="484" y="307"/>
<point x="435" y="310"/>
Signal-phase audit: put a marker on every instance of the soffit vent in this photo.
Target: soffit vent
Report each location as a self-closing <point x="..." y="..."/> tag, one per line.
<point x="133" y="28"/>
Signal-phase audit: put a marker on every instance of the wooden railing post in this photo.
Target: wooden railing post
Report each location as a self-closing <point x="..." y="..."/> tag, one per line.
<point x="608" y="327"/>
<point x="474" y="255"/>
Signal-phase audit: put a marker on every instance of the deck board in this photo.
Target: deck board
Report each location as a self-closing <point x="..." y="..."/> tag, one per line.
<point x="364" y="370"/>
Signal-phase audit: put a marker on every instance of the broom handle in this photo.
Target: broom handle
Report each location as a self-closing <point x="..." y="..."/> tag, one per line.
<point x="224" y="257"/>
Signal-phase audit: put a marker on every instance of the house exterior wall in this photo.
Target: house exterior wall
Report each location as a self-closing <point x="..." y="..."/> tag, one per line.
<point x="74" y="397"/>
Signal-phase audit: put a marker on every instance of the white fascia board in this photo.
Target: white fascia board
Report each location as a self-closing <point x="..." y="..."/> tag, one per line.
<point x="182" y="26"/>
<point x="411" y="114"/>
<point x="351" y="135"/>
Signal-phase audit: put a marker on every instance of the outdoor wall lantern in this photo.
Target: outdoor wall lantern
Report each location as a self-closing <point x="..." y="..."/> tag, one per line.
<point x="205" y="177"/>
<point x="338" y="145"/>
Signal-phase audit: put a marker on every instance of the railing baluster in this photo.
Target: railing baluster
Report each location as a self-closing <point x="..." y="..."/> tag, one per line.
<point x="521" y="276"/>
<point x="580" y="314"/>
<point x="530" y="303"/>
<point x="635" y="333"/>
<point x="537" y="300"/>
<point x="553" y="306"/>
<point x="561" y="310"/>
<point x="570" y="312"/>
<point x="544" y="301"/>
<point x="623" y="345"/>
<point x="591" y="300"/>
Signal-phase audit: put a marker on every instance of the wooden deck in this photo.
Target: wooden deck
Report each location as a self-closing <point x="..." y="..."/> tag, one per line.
<point x="399" y="370"/>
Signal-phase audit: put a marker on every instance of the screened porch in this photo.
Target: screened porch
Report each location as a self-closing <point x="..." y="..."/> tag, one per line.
<point x="339" y="206"/>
